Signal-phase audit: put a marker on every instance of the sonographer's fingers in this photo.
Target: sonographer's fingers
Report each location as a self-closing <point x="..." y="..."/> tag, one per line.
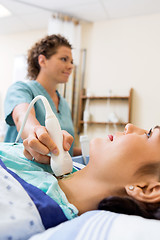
<point x="35" y="145"/>
<point x="38" y="144"/>
<point x="34" y="156"/>
<point x="32" y="142"/>
<point x="67" y="140"/>
<point x="34" y="149"/>
<point x="44" y="138"/>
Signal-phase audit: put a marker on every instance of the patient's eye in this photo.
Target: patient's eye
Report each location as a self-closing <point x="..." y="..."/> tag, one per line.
<point x="149" y="133"/>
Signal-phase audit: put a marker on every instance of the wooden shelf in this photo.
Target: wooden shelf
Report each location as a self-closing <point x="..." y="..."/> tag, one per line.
<point x="84" y="97"/>
<point x="103" y="123"/>
<point x="105" y="98"/>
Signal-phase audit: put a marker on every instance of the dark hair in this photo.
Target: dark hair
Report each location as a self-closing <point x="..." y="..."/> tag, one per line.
<point x="47" y="46"/>
<point x="130" y="206"/>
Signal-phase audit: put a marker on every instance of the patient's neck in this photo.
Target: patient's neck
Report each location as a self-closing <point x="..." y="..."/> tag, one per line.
<point x="83" y="190"/>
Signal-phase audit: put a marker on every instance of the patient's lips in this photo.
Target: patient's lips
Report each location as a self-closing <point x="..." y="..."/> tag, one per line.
<point x="110" y="137"/>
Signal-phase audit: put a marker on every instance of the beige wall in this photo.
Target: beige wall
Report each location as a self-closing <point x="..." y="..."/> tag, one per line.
<point x="121" y="54"/>
<point x="10" y="46"/>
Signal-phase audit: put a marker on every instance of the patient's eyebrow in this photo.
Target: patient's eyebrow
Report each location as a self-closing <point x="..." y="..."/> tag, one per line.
<point x="157" y="127"/>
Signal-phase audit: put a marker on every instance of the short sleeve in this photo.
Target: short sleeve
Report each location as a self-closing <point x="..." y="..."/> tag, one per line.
<point x="17" y="93"/>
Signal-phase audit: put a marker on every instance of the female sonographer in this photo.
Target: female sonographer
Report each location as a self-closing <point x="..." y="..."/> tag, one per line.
<point x="50" y="63"/>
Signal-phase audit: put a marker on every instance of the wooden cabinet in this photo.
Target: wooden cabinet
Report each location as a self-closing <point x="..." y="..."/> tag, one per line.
<point x="113" y="99"/>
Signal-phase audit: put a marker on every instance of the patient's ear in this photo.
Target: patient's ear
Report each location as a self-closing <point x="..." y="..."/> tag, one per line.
<point x="41" y="60"/>
<point x="146" y="192"/>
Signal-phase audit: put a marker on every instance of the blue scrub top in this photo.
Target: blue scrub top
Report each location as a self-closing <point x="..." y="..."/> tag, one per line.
<point x="25" y="92"/>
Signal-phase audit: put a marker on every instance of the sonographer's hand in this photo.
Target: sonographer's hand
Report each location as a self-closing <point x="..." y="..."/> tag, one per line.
<point x="38" y="144"/>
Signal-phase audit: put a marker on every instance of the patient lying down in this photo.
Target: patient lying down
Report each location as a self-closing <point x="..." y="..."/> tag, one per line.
<point x="123" y="175"/>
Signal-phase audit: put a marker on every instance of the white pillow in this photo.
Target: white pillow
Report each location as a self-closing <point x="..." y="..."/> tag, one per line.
<point x="104" y="225"/>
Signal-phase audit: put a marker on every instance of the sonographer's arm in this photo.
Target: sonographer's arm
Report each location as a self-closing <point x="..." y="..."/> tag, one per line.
<point x="36" y="140"/>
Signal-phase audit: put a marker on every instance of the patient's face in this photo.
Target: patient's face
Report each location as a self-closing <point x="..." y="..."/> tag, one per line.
<point x="129" y="150"/>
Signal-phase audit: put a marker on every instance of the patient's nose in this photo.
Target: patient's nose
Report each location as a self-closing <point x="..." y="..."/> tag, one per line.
<point x="130" y="128"/>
